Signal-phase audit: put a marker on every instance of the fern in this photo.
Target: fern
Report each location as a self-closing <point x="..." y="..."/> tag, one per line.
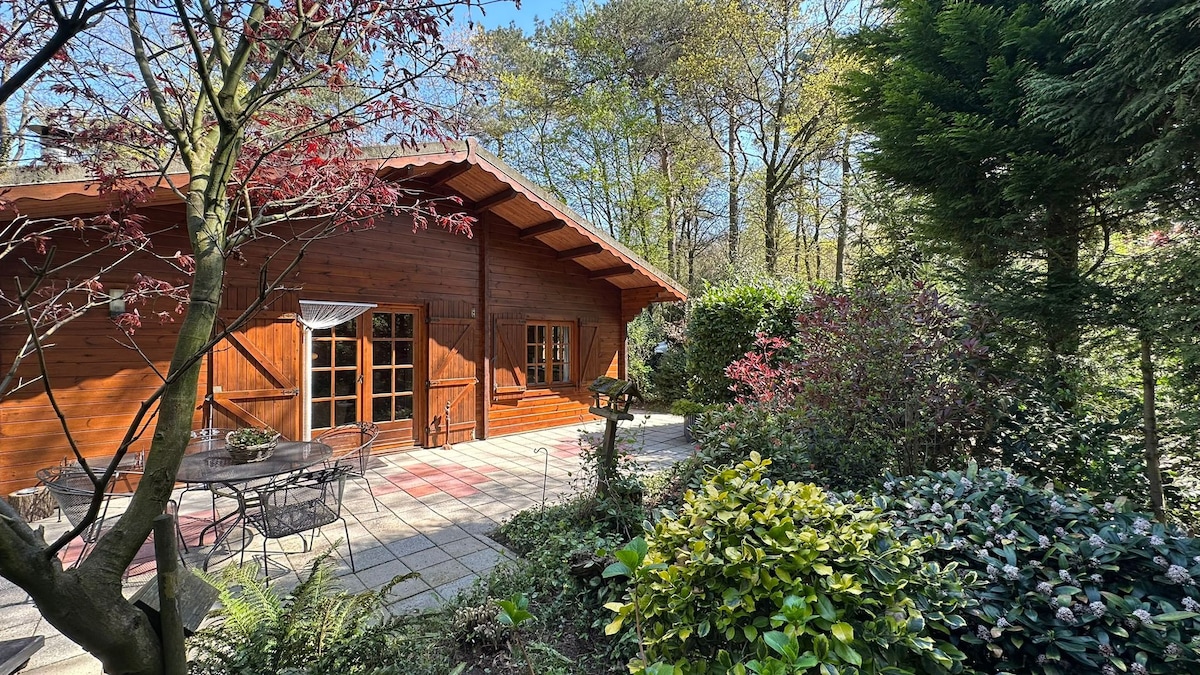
<point x="316" y="628"/>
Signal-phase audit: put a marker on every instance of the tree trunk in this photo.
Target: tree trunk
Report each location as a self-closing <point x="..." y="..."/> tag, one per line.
<point x="664" y="165"/>
<point x="1150" y="429"/>
<point x="839" y="271"/>
<point x="733" y="190"/>
<point x="771" y="221"/>
<point x="1062" y="303"/>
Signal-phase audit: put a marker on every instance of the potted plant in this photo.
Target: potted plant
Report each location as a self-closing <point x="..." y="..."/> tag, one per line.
<point x="689" y="410"/>
<point x="251" y="444"/>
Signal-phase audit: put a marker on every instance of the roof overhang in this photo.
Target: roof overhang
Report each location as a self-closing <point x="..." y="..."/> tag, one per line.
<point x="489" y="188"/>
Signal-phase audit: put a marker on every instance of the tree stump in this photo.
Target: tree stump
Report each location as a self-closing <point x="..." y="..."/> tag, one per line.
<point x="32" y="503"/>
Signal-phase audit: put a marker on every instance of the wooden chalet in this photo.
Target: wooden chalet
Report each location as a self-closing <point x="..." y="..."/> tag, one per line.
<point x="439" y="338"/>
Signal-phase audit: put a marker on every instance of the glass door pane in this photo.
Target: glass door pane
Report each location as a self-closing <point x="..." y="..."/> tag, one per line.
<point x="392" y="376"/>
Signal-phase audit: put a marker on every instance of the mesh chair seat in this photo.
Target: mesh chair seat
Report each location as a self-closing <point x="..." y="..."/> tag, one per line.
<point x="352" y="444"/>
<point x="297" y="505"/>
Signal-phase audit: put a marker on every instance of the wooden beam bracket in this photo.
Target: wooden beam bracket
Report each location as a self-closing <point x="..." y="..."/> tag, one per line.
<point x="488" y="203"/>
<point x="539" y="230"/>
<point x="580" y="252"/>
<point x="619" y="271"/>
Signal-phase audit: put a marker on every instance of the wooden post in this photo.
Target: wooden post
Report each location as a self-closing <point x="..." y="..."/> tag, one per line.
<point x="171" y="624"/>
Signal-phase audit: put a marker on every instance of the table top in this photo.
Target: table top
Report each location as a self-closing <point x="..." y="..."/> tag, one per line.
<point x="214" y="465"/>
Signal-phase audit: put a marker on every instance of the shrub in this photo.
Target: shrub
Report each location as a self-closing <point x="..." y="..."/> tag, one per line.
<point x="878" y="378"/>
<point x="722" y="326"/>
<point x="727" y="437"/>
<point x="1067" y="585"/>
<point x="746" y="564"/>
<point x="317" y="628"/>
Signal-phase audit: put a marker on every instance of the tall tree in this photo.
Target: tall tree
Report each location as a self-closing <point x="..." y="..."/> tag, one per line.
<point x="942" y="91"/>
<point x="265" y="106"/>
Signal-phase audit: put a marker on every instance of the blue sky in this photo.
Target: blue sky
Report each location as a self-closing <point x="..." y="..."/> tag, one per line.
<point x="504" y="13"/>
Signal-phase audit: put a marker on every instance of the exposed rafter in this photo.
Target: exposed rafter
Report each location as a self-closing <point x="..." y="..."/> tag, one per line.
<point x="580" y="252"/>
<point x="618" y="271"/>
<point x="543" y="228"/>
<point x="488" y="203"/>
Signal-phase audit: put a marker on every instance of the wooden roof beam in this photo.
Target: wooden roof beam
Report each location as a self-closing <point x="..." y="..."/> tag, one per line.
<point x="619" y="271"/>
<point x="539" y="230"/>
<point x="488" y="203"/>
<point x="580" y="252"/>
<point x="442" y="176"/>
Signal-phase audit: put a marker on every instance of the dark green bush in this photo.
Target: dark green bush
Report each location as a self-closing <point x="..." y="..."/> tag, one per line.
<point x="1068" y="585"/>
<point x="748" y="563"/>
<point x="722" y="326"/>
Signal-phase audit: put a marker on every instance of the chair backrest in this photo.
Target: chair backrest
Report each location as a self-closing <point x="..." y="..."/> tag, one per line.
<point x="301" y="503"/>
<point x="72" y="490"/>
<point x="351" y="444"/>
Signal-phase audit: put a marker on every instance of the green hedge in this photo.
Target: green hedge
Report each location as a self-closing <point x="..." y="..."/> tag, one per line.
<point x="723" y="324"/>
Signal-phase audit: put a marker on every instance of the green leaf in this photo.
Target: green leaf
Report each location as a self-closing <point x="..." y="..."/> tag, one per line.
<point x="1175" y="616"/>
<point x="617" y="569"/>
<point x="843" y="631"/>
<point x="777" y="641"/>
<point x="847" y="653"/>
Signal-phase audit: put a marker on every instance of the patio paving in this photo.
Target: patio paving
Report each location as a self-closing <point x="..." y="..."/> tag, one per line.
<point x="436" y="508"/>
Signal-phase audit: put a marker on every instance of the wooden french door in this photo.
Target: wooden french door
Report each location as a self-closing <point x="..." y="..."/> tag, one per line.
<point x="368" y="369"/>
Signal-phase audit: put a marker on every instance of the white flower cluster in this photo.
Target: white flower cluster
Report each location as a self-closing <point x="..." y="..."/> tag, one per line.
<point x="1190" y="604"/>
<point x="1096" y="541"/>
<point x="1097" y="608"/>
<point x="1137" y="669"/>
<point x="1142" y="615"/>
<point x="1108" y="670"/>
<point x="1173" y="650"/>
<point x="1043" y="541"/>
<point x="1011" y="572"/>
<point x="1141" y="526"/>
<point x="1045" y="588"/>
<point x="1179" y="574"/>
<point x="1156" y="541"/>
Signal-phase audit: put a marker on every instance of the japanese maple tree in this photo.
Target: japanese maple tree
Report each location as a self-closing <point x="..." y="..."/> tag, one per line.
<point x="257" y="115"/>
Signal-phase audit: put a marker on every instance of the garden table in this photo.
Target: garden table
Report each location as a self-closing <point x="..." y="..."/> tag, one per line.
<point x="214" y="467"/>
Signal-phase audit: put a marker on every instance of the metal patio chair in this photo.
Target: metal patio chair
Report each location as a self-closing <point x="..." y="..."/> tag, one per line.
<point x="303" y="503"/>
<point x="72" y="490"/>
<point x="352" y="445"/>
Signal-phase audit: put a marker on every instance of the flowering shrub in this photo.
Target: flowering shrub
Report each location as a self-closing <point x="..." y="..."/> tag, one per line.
<point x="878" y="378"/>
<point x="750" y="570"/>
<point x="1067" y="585"/>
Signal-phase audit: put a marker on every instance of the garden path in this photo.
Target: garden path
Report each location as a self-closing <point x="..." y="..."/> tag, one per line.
<point x="436" y="509"/>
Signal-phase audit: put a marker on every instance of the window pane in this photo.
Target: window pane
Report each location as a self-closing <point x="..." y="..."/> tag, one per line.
<point x="404" y="407"/>
<point x="381" y="382"/>
<point x="404" y="325"/>
<point x="381" y="353"/>
<point x="345" y="412"/>
<point x="531" y="333"/>
<point x="381" y="325"/>
<point x="531" y="375"/>
<point x="404" y="379"/>
<point x="541" y="374"/>
<point x="320" y="415"/>
<point x="344" y="381"/>
<point x="323" y="333"/>
<point x="381" y="409"/>
<point x="566" y="373"/>
<point x="345" y="353"/>
<point x="322" y="384"/>
<point x="556" y="373"/>
<point x="541" y="334"/>
<point x="321" y="355"/>
<point x="346" y="328"/>
<point x="404" y="353"/>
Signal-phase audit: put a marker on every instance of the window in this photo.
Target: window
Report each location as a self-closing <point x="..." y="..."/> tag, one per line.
<point x="547" y="353"/>
<point x="363" y="369"/>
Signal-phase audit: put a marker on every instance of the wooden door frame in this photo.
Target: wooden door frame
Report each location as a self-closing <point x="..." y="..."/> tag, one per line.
<point x="420" y="367"/>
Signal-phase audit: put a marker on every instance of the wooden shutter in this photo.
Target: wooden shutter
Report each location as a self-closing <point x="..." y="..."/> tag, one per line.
<point x="254" y="376"/>
<point x="592" y="363"/>
<point x="452" y="382"/>
<point x="508" y="361"/>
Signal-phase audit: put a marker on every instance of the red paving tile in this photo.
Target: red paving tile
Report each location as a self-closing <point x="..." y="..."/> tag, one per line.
<point x="461" y="490"/>
<point x="422" y="491"/>
<point x="474" y="478"/>
<point x="422" y="470"/>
